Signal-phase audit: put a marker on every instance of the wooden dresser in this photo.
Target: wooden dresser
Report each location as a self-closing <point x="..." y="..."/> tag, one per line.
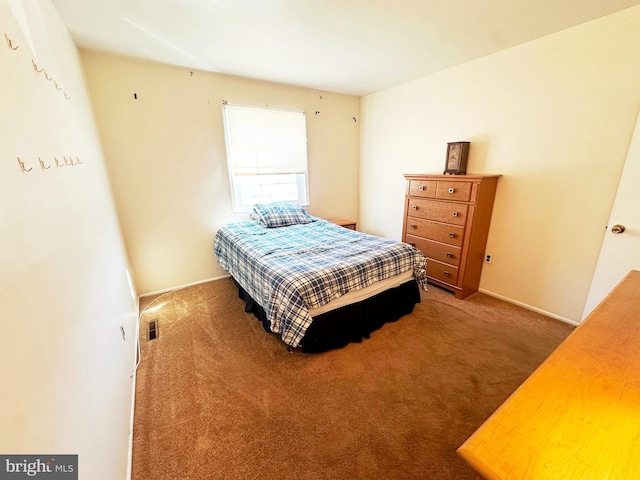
<point x="447" y="217"/>
<point x="577" y="416"/>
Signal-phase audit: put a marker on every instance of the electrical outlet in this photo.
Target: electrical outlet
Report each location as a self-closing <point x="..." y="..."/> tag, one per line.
<point x="487" y="258"/>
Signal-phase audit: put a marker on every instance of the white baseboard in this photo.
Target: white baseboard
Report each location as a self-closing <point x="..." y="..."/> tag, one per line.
<point x="529" y="307"/>
<point x="133" y="404"/>
<point x="133" y="395"/>
<point x="171" y="289"/>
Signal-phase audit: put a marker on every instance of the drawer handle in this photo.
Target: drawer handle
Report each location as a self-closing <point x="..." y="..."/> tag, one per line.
<point x="446" y="274"/>
<point x="415" y="207"/>
<point x="455" y="214"/>
<point x="452" y="235"/>
<point x="451" y="190"/>
<point x="412" y="226"/>
<point x="421" y="188"/>
<point x="449" y="255"/>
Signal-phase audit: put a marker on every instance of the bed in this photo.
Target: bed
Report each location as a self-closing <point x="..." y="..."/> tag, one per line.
<point x="316" y="284"/>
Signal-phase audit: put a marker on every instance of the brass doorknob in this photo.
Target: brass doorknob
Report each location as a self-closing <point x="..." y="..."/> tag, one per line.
<point x="617" y="229"/>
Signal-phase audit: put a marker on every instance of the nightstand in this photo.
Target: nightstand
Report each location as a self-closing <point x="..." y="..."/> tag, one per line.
<point x="350" y="224"/>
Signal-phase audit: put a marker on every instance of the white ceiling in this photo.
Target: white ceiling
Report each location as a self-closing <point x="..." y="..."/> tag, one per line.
<point x="348" y="46"/>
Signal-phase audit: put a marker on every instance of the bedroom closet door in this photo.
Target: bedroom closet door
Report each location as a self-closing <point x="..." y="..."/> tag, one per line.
<point x="621" y="249"/>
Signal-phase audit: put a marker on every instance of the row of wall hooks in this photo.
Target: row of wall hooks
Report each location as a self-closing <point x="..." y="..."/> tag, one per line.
<point x="65" y="162"/>
<point x="49" y="78"/>
<point x="38" y="69"/>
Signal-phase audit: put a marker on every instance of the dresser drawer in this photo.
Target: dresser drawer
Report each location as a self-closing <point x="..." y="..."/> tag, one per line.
<point x="442" y="271"/>
<point x="446" y="212"/>
<point x="423" y="188"/>
<point x="438" y="251"/>
<point x="459" y="191"/>
<point x="440" y="232"/>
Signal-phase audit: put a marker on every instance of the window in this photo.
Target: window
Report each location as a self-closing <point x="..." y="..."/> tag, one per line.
<point x="266" y="155"/>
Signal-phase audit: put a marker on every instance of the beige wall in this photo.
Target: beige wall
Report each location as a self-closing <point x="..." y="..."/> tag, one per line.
<point x="65" y="375"/>
<point x="554" y="116"/>
<point x="166" y="157"/>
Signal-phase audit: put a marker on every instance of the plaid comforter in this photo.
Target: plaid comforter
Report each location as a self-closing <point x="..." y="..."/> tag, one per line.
<point x="288" y="270"/>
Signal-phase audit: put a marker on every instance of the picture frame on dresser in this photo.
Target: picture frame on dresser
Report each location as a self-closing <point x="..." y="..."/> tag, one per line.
<point x="448" y="218"/>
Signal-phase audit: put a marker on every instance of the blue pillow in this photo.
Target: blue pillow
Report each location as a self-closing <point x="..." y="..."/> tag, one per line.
<point x="280" y="214"/>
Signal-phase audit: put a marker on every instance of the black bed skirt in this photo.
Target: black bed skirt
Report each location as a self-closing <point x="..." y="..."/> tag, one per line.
<point x="351" y="323"/>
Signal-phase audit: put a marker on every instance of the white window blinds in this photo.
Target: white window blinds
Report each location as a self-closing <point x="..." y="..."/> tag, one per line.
<point x="266" y="154"/>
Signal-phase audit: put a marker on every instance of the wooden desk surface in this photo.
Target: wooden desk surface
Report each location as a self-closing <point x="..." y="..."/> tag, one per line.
<point x="578" y="415"/>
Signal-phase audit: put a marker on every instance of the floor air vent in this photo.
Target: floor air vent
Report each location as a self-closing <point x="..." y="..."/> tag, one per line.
<point x="153" y="330"/>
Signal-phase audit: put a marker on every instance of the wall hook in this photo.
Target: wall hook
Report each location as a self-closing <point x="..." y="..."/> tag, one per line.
<point x="35" y="66"/>
<point x="78" y="160"/>
<point x="42" y="165"/>
<point x="58" y="164"/>
<point x="65" y="95"/>
<point x="11" y="44"/>
<point x="46" y="75"/>
<point x="68" y="162"/>
<point x="56" y="85"/>
<point x="22" y="166"/>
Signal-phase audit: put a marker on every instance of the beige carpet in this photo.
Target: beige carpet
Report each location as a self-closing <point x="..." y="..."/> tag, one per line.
<point x="219" y="398"/>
